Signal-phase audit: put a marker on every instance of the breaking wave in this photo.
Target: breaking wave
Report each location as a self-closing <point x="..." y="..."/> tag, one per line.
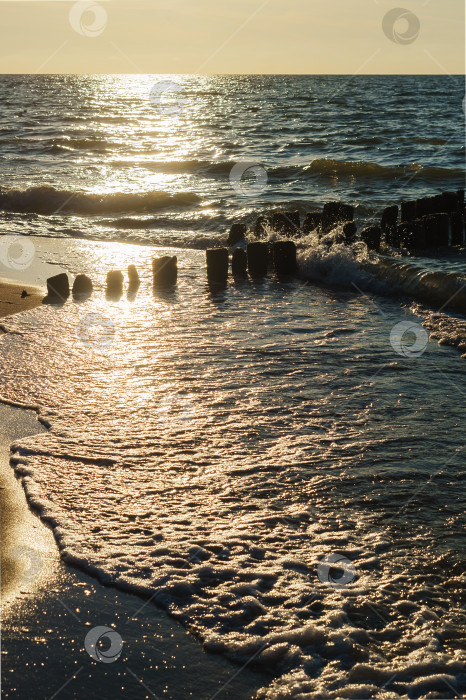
<point x="434" y="287"/>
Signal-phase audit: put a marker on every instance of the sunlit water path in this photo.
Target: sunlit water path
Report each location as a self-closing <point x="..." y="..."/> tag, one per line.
<point x="98" y="156"/>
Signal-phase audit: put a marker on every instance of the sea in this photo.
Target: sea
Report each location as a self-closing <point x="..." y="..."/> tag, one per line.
<point x="277" y="463"/>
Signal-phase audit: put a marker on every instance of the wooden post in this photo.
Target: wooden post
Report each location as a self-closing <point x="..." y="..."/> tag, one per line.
<point x="217" y="264"/>
<point x="284" y="257"/>
<point x="257" y="259"/>
<point x="165" y="271"/>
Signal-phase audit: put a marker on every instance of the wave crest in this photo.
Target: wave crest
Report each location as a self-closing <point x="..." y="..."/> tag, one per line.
<point x="48" y="200"/>
<point x="363" y="169"/>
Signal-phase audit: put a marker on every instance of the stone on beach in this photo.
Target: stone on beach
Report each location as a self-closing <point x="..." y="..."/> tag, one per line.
<point x="82" y="286"/>
<point x="284" y="257"/>
<point x="258" y="254"/>
<point x="165" y="271"/>
<point x="58" y="287"/>
<point x="217" y="264"/>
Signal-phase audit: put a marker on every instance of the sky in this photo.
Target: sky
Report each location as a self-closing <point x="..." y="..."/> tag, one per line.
<point x="239" y="36"/>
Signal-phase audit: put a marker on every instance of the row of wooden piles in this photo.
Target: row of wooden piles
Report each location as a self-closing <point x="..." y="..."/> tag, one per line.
<point x="256" y="260"/>
<point x="430" y="222"/>
<point x="164" y="274"/>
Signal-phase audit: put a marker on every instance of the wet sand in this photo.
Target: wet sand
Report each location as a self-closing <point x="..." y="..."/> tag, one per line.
<point x="18" y="530"/>
<point x="11" y="301"/>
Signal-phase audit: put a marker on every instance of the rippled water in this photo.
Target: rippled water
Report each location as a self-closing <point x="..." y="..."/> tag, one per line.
<point x="272" y="461"/>
<point x="266" y="459"/>
<point x="107" y="158"/>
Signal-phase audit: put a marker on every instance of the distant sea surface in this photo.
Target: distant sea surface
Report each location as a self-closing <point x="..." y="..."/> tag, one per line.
<point x="149" y="158"/>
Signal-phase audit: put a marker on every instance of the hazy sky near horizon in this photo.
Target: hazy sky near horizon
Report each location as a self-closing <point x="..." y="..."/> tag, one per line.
<point x="244" y="36"/>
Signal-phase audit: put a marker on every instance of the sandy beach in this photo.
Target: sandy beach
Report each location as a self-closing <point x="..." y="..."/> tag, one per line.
<point x="12" y="301"/>
<point x="18" y="527"/>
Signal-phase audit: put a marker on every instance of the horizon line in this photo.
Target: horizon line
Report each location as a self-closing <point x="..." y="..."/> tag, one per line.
<point x="358" y="75"/>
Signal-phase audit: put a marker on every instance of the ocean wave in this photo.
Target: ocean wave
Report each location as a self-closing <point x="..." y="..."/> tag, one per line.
<point x="69" y="144"/>
<point x="48" y="200"/>
<point x="362" y="169"/>
<point x="190" y="166"/>
<point x="320" y="167"/>
<point x="431" y="141"/>
<point x="352" y="267"/>
<point x="442" y="289"/>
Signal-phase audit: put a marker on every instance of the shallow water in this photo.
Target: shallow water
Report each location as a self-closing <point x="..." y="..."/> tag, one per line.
<point x="271" y="461"/>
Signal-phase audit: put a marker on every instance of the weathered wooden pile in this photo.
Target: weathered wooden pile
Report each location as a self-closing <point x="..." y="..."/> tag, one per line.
<point x="164" y="274"/>
<point x="255" y="260"/>
<point x="431" y="222"/>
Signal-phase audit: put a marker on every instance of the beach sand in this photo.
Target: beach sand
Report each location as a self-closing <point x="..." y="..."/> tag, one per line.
<point x="11" y="301"/>
<point x="18" y="529"/>
<point x="48" y="608"/>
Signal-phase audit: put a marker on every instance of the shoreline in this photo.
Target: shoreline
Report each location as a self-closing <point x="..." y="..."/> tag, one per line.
<point x="51" y="621"/>
<point x="49" y="607"/>
<point x="27" y="544"/>
<point x="46" y="603"/>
